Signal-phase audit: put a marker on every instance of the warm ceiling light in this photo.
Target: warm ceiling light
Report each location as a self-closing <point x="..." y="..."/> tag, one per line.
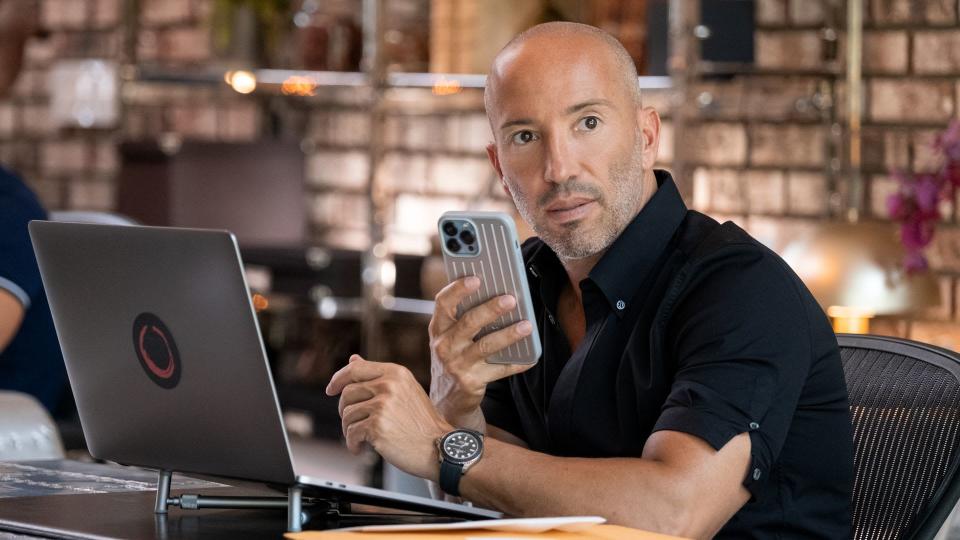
<point x="446" y="87"/>
<point x="243" y="82"/>
<point x="850" y="320"/>
<point x="260" y="302"/>
<point x="297" y="85"/>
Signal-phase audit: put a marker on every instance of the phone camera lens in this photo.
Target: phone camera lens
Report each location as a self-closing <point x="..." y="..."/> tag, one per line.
<point x="449" y="228"/>
<point x="467" y="237"/>
<point x="453" y="245"/>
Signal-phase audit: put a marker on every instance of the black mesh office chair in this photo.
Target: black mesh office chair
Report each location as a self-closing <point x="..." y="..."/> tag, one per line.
<point x="905" y="401"/>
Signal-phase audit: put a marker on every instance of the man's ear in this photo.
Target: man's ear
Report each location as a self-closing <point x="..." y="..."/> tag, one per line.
<point x="649" y="122"/>
<point x="495" y="161"/>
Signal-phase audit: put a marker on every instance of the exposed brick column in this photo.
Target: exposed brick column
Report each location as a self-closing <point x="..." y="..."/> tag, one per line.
<point x="912" y="86"/>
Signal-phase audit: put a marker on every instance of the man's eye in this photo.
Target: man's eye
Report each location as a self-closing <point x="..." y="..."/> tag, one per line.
<point x="589" y="123"/>
<point x="523" y="137"/>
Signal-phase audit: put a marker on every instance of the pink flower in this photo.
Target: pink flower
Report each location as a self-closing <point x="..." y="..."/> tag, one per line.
<point x="916" y="205"/>
<point x="896" y="205"/>
<point x="915" y="262"/>
<point x="927" y="193"/>
<point x="916" y="234"/>
<point x="948" y="142"/>
<point x="951" y="175"/>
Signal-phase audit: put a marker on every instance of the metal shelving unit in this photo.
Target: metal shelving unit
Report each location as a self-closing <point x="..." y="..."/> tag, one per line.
<point x="378" y="101"/>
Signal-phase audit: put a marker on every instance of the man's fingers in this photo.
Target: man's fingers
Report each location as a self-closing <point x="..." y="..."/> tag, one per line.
<point x="497" y="341"/>
<point x="501" y="371"/>
<point x="356" y="412"/>
<point x="356" y="434"/>
<point x="354" y="393"/>
<point x="358" y="370"/>
<point x="480" y="316"/>
<point x="445" y="308"/>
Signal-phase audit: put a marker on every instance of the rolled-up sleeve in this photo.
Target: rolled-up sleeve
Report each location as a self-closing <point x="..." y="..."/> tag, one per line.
<point x="741" y="343"/>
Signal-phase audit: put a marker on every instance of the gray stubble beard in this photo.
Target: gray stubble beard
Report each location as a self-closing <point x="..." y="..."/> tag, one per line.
<point x="628" y="190"/>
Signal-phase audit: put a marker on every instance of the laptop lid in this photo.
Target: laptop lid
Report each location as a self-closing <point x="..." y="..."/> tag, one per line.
<point x="164" y="356"/>
<point x="163" y="349"/>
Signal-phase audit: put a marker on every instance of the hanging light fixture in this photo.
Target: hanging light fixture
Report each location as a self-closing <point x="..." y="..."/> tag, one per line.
<point x="855" y="269"/>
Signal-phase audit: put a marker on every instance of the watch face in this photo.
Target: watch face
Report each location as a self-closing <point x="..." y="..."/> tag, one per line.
<point x="461" y="446"/>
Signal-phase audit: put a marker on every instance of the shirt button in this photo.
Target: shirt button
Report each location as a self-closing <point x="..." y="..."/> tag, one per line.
<point x="756" y="474"/>
<point x="551" y="319"/>
<point x="621" y="305"/>
<point x="754" y="425"/>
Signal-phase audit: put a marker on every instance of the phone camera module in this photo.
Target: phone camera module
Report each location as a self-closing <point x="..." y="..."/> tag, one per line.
<point x="467" y="237"/>
<point x="449" y="228"/>
<point x="453" y="245"/>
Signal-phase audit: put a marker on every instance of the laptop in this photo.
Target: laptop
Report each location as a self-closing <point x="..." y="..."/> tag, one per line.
<point x="165" y="359"/>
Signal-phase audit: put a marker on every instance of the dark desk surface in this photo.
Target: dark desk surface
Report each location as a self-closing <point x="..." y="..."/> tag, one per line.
<point x="131" y="514"/>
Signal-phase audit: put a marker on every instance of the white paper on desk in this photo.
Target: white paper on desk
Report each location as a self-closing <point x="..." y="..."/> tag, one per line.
<point x="526" y="525"/>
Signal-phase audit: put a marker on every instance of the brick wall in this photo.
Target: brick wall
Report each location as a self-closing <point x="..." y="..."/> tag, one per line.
<point x="65" y="168"/>
<point x="762" y="150"/>
<point x="76" y="169"/>
<point x="435" y="158"/>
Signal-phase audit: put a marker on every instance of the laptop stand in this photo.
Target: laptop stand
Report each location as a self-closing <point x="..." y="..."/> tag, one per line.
<point x="294" y="502"/>
<point x="332" y="508"/>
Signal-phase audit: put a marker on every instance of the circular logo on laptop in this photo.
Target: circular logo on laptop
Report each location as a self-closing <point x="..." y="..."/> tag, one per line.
<point x="156" y="350"/>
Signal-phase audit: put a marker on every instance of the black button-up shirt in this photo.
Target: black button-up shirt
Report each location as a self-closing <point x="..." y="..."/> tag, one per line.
<point x="696" y="327"/>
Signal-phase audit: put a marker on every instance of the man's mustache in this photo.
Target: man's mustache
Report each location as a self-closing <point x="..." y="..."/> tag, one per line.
<point x="568" y="189"/>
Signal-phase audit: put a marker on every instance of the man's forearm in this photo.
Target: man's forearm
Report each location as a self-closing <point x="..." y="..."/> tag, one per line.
<point x="634" y="492"/>
<point x="473" y="420"/>
<point x="11" y="316"/>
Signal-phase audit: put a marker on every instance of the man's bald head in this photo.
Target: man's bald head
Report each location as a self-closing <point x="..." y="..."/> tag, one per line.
<point x="546" y="41"/>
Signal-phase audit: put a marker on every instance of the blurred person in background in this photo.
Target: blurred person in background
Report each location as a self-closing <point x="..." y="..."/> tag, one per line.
<point x="30" y="357"/>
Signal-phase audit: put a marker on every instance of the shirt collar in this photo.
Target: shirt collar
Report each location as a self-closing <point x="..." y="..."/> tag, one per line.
<point x="631" y="257"/>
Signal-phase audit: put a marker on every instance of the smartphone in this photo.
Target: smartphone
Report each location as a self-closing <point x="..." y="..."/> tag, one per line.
<point x="484" y="244"/>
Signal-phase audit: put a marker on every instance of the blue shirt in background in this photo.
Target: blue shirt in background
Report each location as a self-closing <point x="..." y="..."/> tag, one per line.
<point x="32" y="361"/>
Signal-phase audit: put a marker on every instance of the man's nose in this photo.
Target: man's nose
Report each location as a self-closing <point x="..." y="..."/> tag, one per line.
<point x="561" y="163"/>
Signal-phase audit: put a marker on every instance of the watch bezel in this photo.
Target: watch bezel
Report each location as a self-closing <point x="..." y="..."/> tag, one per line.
<point x="444" y="456"/>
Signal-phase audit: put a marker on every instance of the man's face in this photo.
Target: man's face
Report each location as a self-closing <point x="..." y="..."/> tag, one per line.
<point x="569" y="148"/>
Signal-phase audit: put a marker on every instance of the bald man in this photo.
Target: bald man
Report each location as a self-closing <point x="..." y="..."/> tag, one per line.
<point x="689" y="383"/>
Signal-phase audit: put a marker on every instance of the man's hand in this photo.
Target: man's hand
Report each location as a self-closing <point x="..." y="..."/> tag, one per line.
<point x="459" y="372"/>
<point x="383" y="404"/>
